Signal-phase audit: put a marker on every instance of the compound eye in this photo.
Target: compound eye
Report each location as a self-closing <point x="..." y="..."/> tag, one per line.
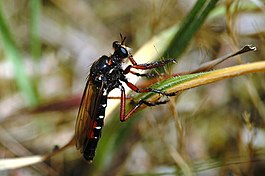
<point x="123" y="52"/>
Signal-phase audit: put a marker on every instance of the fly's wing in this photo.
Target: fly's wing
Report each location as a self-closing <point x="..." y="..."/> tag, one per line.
<point x="86" y="114"/>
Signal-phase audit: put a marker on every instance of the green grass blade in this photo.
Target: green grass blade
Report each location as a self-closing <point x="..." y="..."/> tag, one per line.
<point x="12" y="53"/>
<point x="190" y="25"/>
<point x="184" y="82"/>
<point x="35" y="46"/>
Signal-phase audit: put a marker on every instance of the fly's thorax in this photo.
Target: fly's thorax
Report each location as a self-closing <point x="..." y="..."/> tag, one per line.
<point x="100" y="69"/>
<point x="101" y="66"/>
<point x="111" y="78"/>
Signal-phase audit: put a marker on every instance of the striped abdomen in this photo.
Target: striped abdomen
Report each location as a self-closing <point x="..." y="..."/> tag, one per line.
<point x="93" y="135"/>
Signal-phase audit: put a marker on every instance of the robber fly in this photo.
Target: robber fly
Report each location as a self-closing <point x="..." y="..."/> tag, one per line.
<point x="105" y="75"/>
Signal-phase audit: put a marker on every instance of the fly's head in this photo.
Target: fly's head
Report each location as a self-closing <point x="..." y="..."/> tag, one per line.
<point x="120" y="52"/>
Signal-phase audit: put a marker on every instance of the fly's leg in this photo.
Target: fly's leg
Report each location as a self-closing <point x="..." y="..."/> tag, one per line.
<point x="148" y="75"/>
<point x="118" y="98"/>
<point x="138" y="105"/>
<point x="147" y="66"/>
<point x="123" y="115"/>
<point x="122" y="105"/>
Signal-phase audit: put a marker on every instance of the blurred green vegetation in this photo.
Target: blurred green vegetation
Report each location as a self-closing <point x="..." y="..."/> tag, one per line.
<point x="46" y="48"/>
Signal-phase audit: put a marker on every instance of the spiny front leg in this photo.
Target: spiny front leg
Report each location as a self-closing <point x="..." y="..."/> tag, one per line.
<point x="147" y="66"/>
